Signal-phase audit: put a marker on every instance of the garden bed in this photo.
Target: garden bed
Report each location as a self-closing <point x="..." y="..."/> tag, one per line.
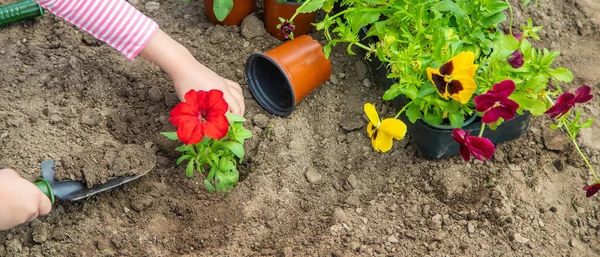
<point x="311" y="184"/>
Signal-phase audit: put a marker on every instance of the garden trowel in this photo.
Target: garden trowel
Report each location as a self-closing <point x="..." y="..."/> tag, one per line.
<point x="70" y="190"/>
<point x="20" y="11"/>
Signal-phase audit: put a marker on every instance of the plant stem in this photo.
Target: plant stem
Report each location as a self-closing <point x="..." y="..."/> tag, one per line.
<point x="511" y="17"/>
<point x="482" y="129"/>
<point x="582" y="155"/>
<point x="564" y="120"/>
<point x="403" y="109"/>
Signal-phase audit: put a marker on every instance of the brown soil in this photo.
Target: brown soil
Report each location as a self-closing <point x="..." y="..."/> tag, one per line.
<point x="100" y="163"/>
<point x="311" y="184"/>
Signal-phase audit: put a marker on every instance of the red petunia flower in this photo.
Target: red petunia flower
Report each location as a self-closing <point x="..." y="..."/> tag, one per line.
<point x="568" y="100"/>
<point x="495" y="103"/>
<point x="202" y="114"/>
<point x="479" y="147"/>
<point x="591" y="190"/>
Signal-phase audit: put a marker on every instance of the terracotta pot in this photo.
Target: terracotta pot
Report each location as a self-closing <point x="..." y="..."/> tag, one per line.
<point x="280" y="78"/>
<point x="274" y="10"/>
<point x="241" y="9"/>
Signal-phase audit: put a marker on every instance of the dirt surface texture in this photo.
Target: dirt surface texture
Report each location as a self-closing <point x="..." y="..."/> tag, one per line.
<point x="100" y="163"/>
<point x="311" y="184"/>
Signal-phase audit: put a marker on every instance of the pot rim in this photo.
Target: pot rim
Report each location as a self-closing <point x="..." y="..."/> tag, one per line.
<point x="258" y="92"/>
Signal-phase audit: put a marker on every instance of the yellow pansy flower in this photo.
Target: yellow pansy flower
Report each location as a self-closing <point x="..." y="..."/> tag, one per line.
<point x="383" y="132"/>
<point x="456" y="78"/>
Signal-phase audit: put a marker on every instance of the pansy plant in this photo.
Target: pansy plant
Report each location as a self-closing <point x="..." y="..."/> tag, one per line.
<point x="212" y="138"/>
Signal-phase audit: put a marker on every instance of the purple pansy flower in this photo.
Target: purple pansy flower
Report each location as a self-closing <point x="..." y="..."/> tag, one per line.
<point x="479" y="147"/>
<point x="495" y="103"/>
<point x="567" y="100"/>
<point x="516" y="59"/>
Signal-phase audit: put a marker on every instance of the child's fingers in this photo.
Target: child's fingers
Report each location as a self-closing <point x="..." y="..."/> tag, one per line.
<point x="234" y="86"/>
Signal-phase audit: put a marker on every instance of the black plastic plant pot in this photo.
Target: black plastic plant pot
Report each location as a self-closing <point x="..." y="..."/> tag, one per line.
<point x="434" y="142"/>
<point x="24" y="10"/>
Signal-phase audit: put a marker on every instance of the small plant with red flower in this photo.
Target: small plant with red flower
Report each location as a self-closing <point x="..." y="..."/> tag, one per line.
<point x="213" y="139"/>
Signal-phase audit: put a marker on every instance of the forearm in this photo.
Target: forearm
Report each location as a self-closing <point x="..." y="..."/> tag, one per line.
<point x="115" y="22"/>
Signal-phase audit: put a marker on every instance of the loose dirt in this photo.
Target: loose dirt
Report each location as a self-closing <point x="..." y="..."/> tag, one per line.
<point x="311" y="184"/>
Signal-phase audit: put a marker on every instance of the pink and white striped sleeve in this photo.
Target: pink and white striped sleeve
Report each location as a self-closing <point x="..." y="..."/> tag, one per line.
<point x="115" y="22"/>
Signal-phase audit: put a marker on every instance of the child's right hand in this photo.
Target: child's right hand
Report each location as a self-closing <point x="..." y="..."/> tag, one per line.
<point x="20" y="200"/>
<point x="187" y="73"/>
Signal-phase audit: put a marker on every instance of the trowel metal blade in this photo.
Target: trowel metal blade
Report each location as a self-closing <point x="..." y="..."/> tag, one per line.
<point x="75" y="190"/>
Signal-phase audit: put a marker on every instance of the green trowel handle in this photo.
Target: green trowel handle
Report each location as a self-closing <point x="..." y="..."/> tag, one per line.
<point x="46" y="188"/>
<point x="20" y="11"/>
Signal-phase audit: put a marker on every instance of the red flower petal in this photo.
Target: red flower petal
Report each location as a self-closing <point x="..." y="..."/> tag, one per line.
<point x="191" y="99"/>
<point x="591" y="190"/>
<point x="216" y="103"/>
<point x="217" y="128"/>
<point x="486" y="101"/>
<point x="197" y="134"/>
<point x="185" y="131"/>
<point x="465" y="153"/>
<point x="583" y="94"/>
<point x="481" y="147"/>
<point x="505" y="86"/>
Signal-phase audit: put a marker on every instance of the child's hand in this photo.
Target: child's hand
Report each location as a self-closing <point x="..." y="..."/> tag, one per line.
<point x="197" y="76"/>
<point x="20" y="200"/>
<point x="187" y="73"/>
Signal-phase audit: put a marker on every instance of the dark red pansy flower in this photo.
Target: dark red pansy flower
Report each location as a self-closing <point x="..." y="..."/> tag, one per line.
<point x="495" y="103"/>
<point x="568" y="100"/>
<point x="518" y="36"/>
<point x="202" y="114"/>
<point x="516" y="59"/>
<point x="591" y="190"/>
<point x="287" y="28"/>
<point x="479" y="147"/>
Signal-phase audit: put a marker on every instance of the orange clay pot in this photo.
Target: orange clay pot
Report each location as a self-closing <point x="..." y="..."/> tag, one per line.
<point x="241" y="9"/>
<point x="274" y="10"/>
<point x="280" y="78"/>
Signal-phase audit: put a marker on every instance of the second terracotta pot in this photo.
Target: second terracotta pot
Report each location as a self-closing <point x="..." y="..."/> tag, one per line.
<point x="274" y="10"/>
<point x="280" y="78"/>
<point x="241" y="9"/>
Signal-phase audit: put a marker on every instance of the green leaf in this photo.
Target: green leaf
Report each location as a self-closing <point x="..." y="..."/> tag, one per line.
<point x="209" y="186"/>
<point x="183" y="158"/>
<point x="310" y="6"/>
<point x="553" y="126"/>
<point x="493" y="20"/>
<point x="225" y="164"/>
<point x="170" y="135"/>
<point x="562" y="74"/>
<point x="328" y="5"/>
<point x="449" y="5"/>
<point x="232" y="117"/>
<point x="413" y="113"/>
<point x="427" y="89"/>
<point x="222" y="8"/>
<point x="587" y="124"/>
<point x="357" y="19"/>
<point x="496" y="6"/>
<point x="242" y="134"/>
<point x="211" y="173"/>
<point x="184" y="148"/>
<point x="433" y="118"/>
<point x="225" y="181"/>
<point x="235" y="147"/>
<point x="189" y="170"/>
<point x="327" y="50"/>
<point x="456" y="119"/>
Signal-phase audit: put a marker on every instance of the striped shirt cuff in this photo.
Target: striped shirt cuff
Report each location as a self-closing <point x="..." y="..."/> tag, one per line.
<point x="114" y="22"/>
